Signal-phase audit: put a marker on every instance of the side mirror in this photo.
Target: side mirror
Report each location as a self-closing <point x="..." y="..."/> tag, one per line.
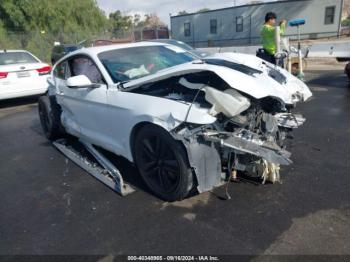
<point x="80" y="81"/>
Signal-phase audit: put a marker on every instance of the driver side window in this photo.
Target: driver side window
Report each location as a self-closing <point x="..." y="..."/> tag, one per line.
<point x="60" y="70"/>
<point x="83" y="65"/>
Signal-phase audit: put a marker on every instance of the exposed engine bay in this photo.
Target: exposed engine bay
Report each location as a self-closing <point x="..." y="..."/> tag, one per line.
<point x="249" y="134"/>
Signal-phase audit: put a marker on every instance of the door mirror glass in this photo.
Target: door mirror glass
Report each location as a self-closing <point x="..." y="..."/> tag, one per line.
<point x="80" y="81"/>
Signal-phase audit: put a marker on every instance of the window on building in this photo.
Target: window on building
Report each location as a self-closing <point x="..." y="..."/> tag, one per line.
<point x="329" y="15"/>
<point x="213" y="26"/>
<point x="239" y="24"/>
<point x="187" y="29"/>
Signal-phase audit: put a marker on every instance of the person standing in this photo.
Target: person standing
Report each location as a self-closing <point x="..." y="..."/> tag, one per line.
<point x="268" y="32"/>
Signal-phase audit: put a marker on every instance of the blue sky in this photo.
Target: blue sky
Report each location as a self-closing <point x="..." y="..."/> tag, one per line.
<point x="164" y="7"/>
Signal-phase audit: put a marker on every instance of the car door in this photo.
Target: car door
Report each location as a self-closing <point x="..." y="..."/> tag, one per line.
<point x="84" y="108"/>
<point x="59" y="81"/>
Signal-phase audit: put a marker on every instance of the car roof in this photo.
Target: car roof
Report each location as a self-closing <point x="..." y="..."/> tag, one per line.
<point x="173" y="42"/>
<point x="99" y="49"/>
<point x="12" y="51"/>
<point x="165" y="40"/>
<point x="67" y="45"/>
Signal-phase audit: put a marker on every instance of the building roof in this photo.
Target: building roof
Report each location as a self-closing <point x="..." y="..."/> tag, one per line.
<point x="239" y="6"/>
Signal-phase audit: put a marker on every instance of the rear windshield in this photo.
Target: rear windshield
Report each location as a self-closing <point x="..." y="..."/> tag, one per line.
<point x="16" y="58"/>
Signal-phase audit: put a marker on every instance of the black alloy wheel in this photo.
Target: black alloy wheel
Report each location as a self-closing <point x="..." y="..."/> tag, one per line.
<point x="162" y="163"/>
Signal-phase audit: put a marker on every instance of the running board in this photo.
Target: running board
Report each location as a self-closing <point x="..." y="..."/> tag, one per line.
<point x="107" y="173"/>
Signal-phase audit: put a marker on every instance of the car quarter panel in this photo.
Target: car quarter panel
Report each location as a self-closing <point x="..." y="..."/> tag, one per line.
<point x="126" y="110"/>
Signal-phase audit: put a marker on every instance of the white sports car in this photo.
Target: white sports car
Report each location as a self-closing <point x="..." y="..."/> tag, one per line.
<point x="22" y="74"/>
<point x="186" y="123"/>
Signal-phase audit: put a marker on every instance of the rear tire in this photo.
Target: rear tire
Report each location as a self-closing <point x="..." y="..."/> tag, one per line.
<point x="50" y="117"/>
<point x="163" y="163"/>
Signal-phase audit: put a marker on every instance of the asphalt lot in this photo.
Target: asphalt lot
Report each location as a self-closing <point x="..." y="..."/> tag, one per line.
<point x="49" y="205"/>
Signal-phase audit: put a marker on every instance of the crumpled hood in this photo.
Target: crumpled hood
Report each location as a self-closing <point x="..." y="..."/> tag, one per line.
<point x="258" y="85"/>
<point x="297" y="89"/>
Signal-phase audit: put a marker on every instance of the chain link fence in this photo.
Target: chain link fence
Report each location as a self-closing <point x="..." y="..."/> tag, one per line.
<point x="40" y="43"/>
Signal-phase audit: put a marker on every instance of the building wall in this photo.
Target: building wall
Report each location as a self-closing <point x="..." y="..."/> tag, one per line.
<point x="253" y="18"/>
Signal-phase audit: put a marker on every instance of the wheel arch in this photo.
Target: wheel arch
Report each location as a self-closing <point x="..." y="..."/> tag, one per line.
<point x="138" y="127"/>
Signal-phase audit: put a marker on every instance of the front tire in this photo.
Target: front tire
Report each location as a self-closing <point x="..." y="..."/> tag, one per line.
<point x="163" y="163"/>
<point x="50" y="117"/>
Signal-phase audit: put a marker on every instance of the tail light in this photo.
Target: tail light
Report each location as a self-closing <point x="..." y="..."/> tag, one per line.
<point x="44" y="70"/>
<point x="3" y="75"/>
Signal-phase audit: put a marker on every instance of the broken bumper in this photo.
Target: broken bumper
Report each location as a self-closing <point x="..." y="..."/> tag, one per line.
<point x="241" y="145"/>
<point x="209" y="149"/>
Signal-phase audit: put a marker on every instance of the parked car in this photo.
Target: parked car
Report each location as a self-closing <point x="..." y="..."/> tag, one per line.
<point x="22" y="74"/>
<point x="347" y="70"/>
<point x="199" y="53"/>
<point x="186" y="123"/>
<point x="60" y="51"/>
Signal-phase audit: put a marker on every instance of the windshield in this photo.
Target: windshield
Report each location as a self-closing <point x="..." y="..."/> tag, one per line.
<point x="10" y="58"/>
<point x="182" y="45"/>
<point x="135" y="62"/>
<point x="173" y="42"/>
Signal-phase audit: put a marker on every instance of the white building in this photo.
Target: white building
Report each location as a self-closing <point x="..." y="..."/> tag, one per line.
<point x="241" y="25"/>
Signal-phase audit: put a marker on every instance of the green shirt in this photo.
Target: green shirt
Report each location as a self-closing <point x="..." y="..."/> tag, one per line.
<point x="268" y="37"/>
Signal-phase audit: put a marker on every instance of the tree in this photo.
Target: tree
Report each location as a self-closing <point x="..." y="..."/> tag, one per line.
<point x="153" y="20"/>
<point x="150" y="20"/>
<point x="346" y="22"/>
<point x="346" y="9"/>
<point x="36" y="24"/>
<point x="182" y="12"/>
<point x="51" y="16"/>
<point x="137" y="19"/>
<point x="203" y="10"/>
<point x="119" y="21"/>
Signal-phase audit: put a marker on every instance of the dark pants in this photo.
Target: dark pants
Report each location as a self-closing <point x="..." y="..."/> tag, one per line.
<point x="263" y="54"/>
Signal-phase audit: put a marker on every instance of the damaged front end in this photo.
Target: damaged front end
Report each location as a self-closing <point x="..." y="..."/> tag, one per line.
<point x="250" y="131"/>
<point x="252" y="142"/>
<point x="248" y="136"/>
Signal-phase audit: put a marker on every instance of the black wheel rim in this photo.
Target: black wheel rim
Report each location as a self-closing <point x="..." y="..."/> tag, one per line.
<point x="158" y="164"/>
